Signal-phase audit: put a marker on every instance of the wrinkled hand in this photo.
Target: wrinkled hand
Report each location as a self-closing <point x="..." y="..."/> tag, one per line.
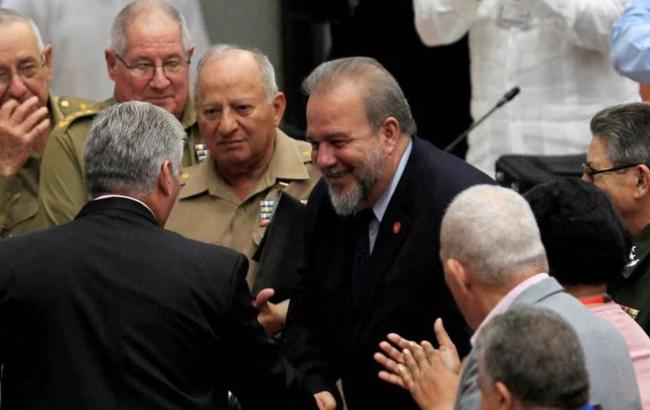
<point x="416" y="367"/>
<point x="23" y="126"/>
<point x="424" y="374"/>
<point x="270" y="315"/>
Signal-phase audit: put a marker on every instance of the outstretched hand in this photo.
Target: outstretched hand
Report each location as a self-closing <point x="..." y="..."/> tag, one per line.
<point x="430" y="375"/>
<point x="270" y="315"/>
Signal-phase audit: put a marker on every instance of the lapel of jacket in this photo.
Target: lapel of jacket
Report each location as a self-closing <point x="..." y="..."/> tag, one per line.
<point x="393" y="230"/>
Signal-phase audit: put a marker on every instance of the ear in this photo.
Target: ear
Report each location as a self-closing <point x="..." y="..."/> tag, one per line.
<point x="390" y="134"/>
<point x="190" y="52"/>
<point x="166" y="179"/>
<point x="505" y="397"/>
<point x="279" y="105"/>
<point x="642" y="183"/>
<point x="458" y="275"/>
<point x="48" y="55"/>
<point x="111" y="63"/>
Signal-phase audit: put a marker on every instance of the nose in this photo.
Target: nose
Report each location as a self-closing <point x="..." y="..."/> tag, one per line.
<point x="228" y="122"/>
<point x="17" y="87"/>
<point x="324" y="157"/>
<point x="159" y="80"/>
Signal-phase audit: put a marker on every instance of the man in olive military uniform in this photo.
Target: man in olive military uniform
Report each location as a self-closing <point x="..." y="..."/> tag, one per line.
<point x="148" y="60"/>
<point x="618" y="162"/>
<point x="27" y="113"/>
<point x="228" y="200"/>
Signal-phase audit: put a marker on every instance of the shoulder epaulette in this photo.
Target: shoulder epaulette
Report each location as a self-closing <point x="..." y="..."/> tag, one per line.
<point x="75" y="108"/>
<point x="305" y="151"/>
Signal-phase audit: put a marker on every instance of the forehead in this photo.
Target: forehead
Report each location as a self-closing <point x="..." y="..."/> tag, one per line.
<point x="153" y="33"/>
<point x="597" y="154"/>
<point x="339" y="109"/>
<point x="18" y="42"/>
<point x="235" y="73"/>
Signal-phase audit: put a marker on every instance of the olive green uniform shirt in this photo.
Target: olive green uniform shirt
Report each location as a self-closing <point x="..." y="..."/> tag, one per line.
<point x="62" y="191"/>
<point x="209" y="211"/>
<point x="18" y="195"/>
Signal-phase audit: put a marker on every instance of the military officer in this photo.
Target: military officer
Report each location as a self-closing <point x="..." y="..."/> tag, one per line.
<point x="229" y="199"/>
<point x="148" y="60"/>
<point x="27" y="113"/>
<point x="618" y="163"/>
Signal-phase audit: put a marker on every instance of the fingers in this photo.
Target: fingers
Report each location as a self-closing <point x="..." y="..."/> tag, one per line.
<point x="391" y="351"/>
<point x="388" y="363"/>
<point x="263" y="297"/>
<point x="25" y="109"/>
<point x="8" y="108"/>
<point x="325" y="400"/>
<point x="34" y="119"/>
<point x="441" y="334"/>
<point x="391" y="378"/>
<point x="399" y="340"/>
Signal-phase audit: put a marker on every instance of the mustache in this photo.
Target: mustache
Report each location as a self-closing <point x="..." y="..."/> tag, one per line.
<point x="335" y="173"/>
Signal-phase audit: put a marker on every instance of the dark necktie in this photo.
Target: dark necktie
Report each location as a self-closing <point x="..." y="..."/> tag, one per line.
<point x="361" y="251"/>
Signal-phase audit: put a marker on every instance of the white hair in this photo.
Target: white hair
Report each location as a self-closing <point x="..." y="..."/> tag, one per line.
<point x="127" y="146"/>
<point x="11" y="16"/>
<point x="492" y="231"/>
<point x="124" y="17"/>
<point x="266" y="68"/>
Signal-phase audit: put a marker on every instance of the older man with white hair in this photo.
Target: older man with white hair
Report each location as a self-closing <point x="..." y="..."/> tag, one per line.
<point x="148" y="60"/>
<point x="494" y="260"/>
<point x="28" y="111"/>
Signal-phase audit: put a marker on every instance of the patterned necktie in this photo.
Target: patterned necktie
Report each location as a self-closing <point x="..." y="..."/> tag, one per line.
<point x="361" y="251"/>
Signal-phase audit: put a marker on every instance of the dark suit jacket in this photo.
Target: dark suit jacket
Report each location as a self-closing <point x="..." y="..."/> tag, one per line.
<point x="403" y="291"/>
<point x="112" y="312"/>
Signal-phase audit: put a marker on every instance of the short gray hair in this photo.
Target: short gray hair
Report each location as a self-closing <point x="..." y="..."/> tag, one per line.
<point x="625" y="128"/>
<point x="131" y="11"/>
<point x="382" y="95"/>
<point x="492" y="231"/>
<point x="266" y="68"/>
<point x="127" y="146"/>
<point x="537" y="355"/>
<point x="12" y="16"/>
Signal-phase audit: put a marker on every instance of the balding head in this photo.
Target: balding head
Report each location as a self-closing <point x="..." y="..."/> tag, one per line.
<point x="492" y="231"/>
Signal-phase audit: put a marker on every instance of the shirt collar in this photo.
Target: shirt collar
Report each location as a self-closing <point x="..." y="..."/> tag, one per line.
<point x="379" y="208"/>
<point x="106" y="196"/>
<point x="505" y="303"/>
<point x="286" y="164"/>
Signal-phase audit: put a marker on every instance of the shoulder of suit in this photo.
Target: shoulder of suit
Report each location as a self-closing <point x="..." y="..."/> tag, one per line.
<point x="76" y="109"/>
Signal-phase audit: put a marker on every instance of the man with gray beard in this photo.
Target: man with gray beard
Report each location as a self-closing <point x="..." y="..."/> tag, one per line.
<point x="371" y="262"/>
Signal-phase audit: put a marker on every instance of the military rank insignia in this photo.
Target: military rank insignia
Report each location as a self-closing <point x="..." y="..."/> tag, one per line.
<point x="266" y="211"/>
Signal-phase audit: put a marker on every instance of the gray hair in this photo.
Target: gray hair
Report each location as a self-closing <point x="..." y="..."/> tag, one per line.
<point x="625" y="128"/>
<point x="492" y="231"/>
<point x="131" y="11"/>
<point x="127" y="146"/>
<point x="266" y="68"/>
<point x="537" y="355"/>
<point x="12" y="16"/>
<point x="382" y="95"/>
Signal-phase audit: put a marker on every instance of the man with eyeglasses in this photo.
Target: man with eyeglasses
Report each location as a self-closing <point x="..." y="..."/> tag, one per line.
<point x="27" y="113"/>
<point x="148" y="60"/>
<point x="617" y="163"/>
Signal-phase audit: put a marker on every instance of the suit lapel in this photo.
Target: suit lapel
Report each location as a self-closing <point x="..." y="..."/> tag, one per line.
<point x="393" y="230"/>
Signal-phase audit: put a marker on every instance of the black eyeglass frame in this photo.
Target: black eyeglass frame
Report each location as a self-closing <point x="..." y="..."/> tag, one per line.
<point x="590" y="171"/>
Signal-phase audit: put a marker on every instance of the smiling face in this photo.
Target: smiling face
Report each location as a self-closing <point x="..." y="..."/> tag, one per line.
<point x="19" y="54"/>
<point x="236" y="118"/>
<point x="353" y="158"/>
<point x="152" y="38"/>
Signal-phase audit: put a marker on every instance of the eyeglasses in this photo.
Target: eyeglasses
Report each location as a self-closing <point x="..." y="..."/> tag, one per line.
<point x="145" y="70"/>
<point x="589" y="171"/>
<point x="26" y="71"/>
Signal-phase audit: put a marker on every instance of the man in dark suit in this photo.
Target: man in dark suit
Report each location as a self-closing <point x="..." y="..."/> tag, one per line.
<point x="111" y="311"/>
<point x="371" y="260"/>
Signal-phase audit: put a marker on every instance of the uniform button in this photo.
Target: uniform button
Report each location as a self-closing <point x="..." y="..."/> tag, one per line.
<point x="65" y="104"/>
